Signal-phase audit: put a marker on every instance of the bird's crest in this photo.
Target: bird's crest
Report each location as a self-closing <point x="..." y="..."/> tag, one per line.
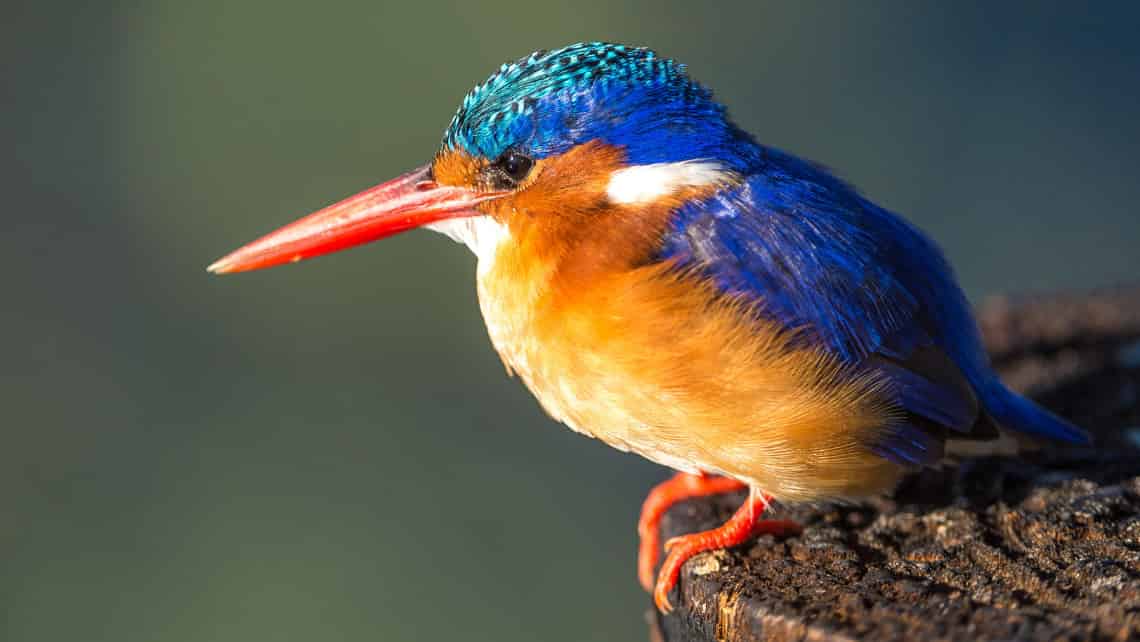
<point x="552" y="100"/>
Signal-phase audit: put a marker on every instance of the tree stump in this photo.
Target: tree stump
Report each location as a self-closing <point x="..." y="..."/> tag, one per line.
<point x="1041" y="547"/>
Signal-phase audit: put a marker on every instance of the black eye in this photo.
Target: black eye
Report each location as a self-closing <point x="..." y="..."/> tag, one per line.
<point x="511" y="168"/>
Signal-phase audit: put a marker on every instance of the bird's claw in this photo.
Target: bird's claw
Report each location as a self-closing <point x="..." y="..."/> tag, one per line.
<point x="679" y="487"/>
<point x="743" y="526"/>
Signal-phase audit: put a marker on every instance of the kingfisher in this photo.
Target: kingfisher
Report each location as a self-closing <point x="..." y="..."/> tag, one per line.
<point x="663" y="282"/>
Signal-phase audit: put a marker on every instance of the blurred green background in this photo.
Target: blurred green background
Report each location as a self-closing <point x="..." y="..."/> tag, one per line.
<point x="332" y="451"/>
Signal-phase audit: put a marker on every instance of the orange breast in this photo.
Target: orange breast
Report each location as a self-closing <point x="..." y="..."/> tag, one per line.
<point x="658" y="363"/>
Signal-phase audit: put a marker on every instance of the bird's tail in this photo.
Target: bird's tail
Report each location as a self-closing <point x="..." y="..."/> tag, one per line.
<point x="1014" y="412"/>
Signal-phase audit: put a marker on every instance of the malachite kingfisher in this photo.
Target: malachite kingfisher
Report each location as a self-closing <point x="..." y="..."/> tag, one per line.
<point x="662" y="281"/>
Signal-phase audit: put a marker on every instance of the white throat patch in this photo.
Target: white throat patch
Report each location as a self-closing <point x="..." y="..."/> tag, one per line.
<point x="644" y="183"/>
<point x="482" y="234"/>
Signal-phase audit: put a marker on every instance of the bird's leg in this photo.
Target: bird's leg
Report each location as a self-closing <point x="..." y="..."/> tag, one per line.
<point x="677" y="488"/>
<point x="741" y="527"/>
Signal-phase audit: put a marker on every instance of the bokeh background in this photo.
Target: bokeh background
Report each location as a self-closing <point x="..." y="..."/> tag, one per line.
<point x="332" y="451"/>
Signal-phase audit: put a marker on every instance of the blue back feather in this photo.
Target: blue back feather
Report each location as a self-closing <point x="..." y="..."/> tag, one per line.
<point x="808" y="249"/>
<point x="860" y="281"/>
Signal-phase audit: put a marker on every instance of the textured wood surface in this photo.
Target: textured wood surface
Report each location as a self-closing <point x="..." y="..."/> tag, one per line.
<point x="1042" y="547"/>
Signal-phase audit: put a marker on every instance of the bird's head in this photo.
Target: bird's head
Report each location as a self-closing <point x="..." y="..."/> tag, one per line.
<point x="589" y="148"/>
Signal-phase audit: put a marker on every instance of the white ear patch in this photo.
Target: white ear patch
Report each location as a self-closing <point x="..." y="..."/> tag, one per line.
<point x="643" y="183"/>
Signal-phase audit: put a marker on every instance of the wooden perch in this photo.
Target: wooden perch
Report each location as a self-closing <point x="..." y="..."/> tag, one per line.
<point x="1042" y="547"/>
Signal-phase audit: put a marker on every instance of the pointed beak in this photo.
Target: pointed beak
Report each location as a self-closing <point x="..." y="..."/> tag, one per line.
<point x="410" y="201"/>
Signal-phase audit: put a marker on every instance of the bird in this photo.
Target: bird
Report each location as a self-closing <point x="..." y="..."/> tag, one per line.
<point x="664" y="282"/>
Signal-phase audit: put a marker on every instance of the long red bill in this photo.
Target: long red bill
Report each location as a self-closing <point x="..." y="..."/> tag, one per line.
<point x="410" y="201"/>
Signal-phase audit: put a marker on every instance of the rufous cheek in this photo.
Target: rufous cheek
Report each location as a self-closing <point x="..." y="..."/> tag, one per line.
<point x="457" y="167"/>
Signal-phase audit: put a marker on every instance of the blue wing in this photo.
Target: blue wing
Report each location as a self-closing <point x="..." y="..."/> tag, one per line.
<point x="809" y="251"/>
<point x="856" y="279"/>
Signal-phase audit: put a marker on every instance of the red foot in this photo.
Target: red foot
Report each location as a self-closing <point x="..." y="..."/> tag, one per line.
<point x="743" y="526"/>
<point x="679" y="487"/>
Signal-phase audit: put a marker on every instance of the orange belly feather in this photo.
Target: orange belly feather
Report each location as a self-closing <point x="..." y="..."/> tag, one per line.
<point x="656" y="362"/>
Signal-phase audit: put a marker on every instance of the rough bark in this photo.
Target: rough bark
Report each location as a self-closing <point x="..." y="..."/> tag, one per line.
<point x="1041" y="547"/>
